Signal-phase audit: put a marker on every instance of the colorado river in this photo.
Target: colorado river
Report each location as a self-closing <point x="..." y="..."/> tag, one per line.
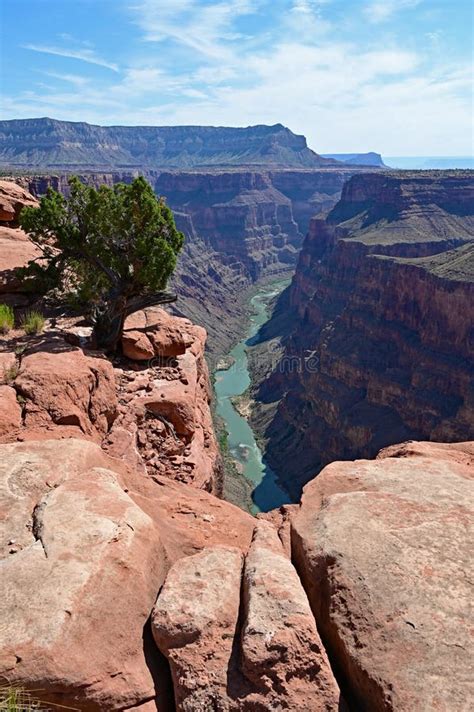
<point x="267" y="494"/>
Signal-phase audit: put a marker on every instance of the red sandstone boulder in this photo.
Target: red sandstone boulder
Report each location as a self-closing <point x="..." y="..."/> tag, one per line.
<point x="383" y="548"/>
<point x="64" y="388"/>
<point x="16" y="250"/>
<point x="164" y="424"/>
<point x="10" y="411"/>
<point x="13" y="198"/>
<point x="194" y="622"/>
<point x="154" y="332"/>
<point x="282" y="654"/>
<point x="80" y="569"/>
<point x="85" y="544"/>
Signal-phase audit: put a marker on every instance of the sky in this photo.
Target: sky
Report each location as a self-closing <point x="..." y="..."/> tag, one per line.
<point x="392" y="76"/>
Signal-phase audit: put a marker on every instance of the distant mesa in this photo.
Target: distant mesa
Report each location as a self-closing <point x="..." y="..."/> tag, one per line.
<point x="358" y="159"/>
<point x="52" y="144"/>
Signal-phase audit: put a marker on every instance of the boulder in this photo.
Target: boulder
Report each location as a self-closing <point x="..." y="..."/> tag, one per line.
<point x="85" y="544"/>
<point x="13" y="198"/>
<point x="282" y="654"/>
<point x="10" y="411"/>
<point x="64" y="388"/>
<point x="384" y="550"/>
<point x="154" y="332"/>
<point x="194" y="622"/>
<point x="81" y="564"/>
<point x="16" y="250"/>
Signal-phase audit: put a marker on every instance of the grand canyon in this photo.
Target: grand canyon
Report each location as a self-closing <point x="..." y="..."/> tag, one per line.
<point x="262" y="499"/>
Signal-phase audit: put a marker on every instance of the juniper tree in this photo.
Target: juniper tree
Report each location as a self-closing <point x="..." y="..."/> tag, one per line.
<point x="117" y="246"/>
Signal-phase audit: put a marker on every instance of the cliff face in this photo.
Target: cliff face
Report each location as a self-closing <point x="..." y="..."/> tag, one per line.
<point x="381" y="346"/>
<point x="49" y="143"/>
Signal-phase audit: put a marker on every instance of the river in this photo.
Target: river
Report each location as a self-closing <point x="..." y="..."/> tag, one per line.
<point x="243" y="447"/>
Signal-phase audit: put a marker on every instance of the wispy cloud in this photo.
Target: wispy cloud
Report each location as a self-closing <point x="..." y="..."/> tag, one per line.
<point x="378" y="11"/>
<point x="84" y="55"/>
<point x="206" y="30"/>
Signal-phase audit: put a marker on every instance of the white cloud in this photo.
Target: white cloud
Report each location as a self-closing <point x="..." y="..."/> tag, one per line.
<point x="85" y="55"/>
<point x="378" y="11"/>
<point x="205" y="29"/>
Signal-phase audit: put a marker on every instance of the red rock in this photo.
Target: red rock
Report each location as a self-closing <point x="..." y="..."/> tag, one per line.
<point x="110" y="534"/>
<point x="7" y="365"/>
<point x="16" y="250"/>
<point x="383" y="548"/>
<point x="10" y="411"/>
<point x="194" y="622"/>
<point x="137" y="346"/>
<point x="63" y="388"/>
<point x="77" y="593"/>
<point x="166" y="408"/>
<point x="281" y="651"/>
<point x="12" y="199"/>
<point x="154" y="331"/>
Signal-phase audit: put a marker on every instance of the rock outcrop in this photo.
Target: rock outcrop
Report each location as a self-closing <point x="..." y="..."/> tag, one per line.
<point x="13" y="198"/>
<point x="383" y="550"/>
<point x="85" y="546"/>
<point x="267" y="657"/>
<point x="164" y="422"/>
<point x="16" y="250"/>
<point x="379" y="342"/>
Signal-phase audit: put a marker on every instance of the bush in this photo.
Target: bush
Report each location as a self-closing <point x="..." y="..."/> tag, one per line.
<point x="7" y="318"/>
<point x="33" y="322"/>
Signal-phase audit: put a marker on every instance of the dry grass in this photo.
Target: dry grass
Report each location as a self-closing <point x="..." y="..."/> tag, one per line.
<point x="7" y="318"/>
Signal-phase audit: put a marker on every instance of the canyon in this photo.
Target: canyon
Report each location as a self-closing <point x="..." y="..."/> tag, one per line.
<point x="376" y="327"/>
<point x="241" y="225"/>
<point x="356" y="597"/>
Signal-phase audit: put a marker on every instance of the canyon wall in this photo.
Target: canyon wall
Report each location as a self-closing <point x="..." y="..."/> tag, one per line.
<point x="240" y="225"/>
<point x="378" y="326"/>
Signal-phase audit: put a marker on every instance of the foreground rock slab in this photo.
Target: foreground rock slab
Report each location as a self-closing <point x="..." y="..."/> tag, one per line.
<point x="80" y="566"/>
<point x="194" y="623"/>
<point x="282" y="654"/>
<point x="384" y="549"/>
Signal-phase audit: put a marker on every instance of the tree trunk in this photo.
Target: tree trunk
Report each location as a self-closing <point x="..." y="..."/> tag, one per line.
<point x="109" y="319"/>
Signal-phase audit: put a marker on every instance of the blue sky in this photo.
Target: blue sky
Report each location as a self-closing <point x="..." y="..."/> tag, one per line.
<point x="394" y="76"/>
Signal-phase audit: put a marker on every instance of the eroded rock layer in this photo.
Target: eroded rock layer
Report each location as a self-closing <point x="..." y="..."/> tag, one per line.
<point x="379" y="340"/>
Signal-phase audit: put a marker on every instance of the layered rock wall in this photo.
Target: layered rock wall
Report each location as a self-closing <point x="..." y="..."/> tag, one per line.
<point x="380" y="347"/>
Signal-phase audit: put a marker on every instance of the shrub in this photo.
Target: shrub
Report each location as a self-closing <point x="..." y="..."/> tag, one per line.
<point x="7" y="318"/>
<point x="33" y="322"/>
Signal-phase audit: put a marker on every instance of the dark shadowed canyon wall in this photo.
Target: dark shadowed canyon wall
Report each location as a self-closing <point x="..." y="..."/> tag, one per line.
<point x="377" y="326"/>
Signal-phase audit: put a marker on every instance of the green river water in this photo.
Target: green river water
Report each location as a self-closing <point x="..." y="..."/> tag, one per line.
<point x="267" y="494"/>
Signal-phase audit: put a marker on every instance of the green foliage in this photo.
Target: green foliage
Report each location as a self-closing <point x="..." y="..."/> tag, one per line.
<point x="122" y="237"/>
<point x="15" y="699"/>
<point x="33" y="322"/>
<point x="7" y="318"/>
